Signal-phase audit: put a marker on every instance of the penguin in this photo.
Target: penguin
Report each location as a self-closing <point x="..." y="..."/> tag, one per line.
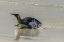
<point x="27" y="22"/>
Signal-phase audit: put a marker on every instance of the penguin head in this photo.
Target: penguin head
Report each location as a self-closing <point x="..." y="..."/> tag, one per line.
<point x="16" y="15"/>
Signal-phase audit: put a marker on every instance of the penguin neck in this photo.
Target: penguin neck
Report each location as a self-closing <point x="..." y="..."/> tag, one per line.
<point x="18" y="17"/>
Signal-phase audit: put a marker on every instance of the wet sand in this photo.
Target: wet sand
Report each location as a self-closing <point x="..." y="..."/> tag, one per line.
<point x="51" y="17"/>
<point x="45" y="35"/>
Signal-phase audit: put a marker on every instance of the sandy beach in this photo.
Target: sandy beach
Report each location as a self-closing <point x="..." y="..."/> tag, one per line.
<point x="44" y="36"/>
<point x="49" y="12"/>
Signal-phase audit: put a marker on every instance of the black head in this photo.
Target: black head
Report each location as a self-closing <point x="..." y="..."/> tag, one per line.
<point x="16" y="15"/>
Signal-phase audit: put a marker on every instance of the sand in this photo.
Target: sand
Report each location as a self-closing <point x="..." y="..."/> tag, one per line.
<point x="52" y="19"/>
<point x="44" y="36"/>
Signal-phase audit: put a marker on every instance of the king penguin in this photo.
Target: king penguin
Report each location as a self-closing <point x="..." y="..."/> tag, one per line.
<point x="27" y="22"/>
